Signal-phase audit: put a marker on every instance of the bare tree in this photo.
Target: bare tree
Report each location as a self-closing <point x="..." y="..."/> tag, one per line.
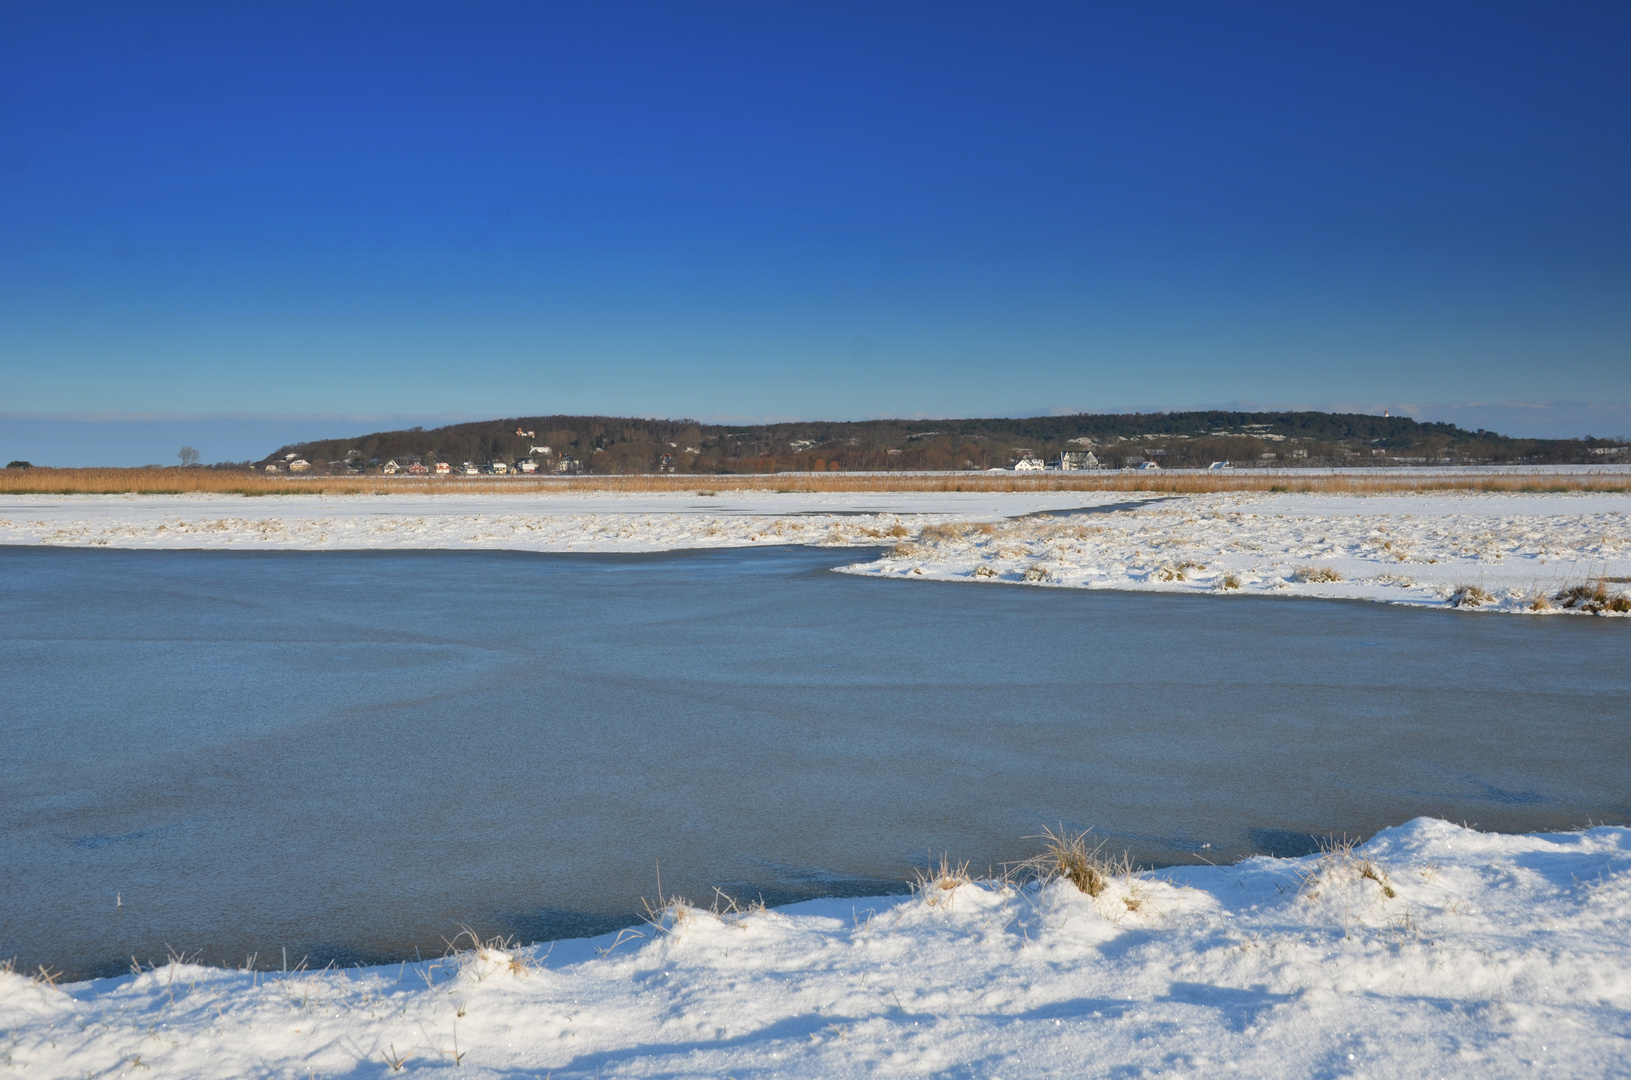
<point x="188" y="455"/>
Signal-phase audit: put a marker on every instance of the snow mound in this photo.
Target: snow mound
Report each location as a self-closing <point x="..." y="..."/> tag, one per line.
<point x="1431" y="950"/>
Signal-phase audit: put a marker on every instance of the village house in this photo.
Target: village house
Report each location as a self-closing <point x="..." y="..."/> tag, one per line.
<point x="1074" y="460"/>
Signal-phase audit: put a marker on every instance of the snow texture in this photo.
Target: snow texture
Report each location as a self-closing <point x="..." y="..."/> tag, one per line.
<point x="1432" y="951"/>
<point x="1484" y="551"/>
<point x="1491" y="552"/>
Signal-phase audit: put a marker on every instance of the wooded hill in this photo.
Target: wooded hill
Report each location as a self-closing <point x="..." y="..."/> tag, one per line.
<point x="605" y="444"/>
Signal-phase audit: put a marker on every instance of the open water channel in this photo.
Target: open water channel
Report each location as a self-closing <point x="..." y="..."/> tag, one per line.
<point x="349" y="756"/>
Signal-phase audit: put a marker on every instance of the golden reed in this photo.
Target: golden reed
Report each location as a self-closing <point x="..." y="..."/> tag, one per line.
<point x="177" y="481"/>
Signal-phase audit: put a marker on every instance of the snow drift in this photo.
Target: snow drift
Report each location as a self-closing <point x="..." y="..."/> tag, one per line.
<point x="1433" y="950"/>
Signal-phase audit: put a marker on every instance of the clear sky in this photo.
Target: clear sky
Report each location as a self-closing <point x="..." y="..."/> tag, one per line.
<point x="765" y="211"/>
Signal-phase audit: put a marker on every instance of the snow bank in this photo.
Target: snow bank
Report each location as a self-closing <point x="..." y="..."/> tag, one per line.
<point x="1432" y="951"/>
<point x="1498" y="552"/>
<point x="1505" y="552"/>
<point x="520" y="522"/>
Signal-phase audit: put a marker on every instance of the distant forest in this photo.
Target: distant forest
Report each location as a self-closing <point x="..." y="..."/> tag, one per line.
<point x="606" y="444"/>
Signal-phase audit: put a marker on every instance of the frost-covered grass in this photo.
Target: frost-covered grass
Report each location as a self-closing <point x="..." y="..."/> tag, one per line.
<point x="1432" y="950"/>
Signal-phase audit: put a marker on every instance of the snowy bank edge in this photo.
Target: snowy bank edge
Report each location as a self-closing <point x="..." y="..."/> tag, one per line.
<point x="1429" y="943"/>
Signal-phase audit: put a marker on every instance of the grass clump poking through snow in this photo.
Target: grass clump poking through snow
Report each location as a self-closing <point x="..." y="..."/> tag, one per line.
<point x="942" y="532"/>
<point x="937" y="885"/>
<point x="1431" y="950"/>
<point x="1229" y="581"/>
<point x="1316" y="575"/>
<point x="1595" y="598"/>
<point x="1067" y="856"/>
<point x="1470" y="596"/>
<point x="1340" y="865"/>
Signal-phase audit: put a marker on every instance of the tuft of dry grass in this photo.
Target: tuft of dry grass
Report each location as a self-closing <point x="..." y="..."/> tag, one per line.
<point x="670" y="912"/>
<point x="942" y="533"/>
<point x="483" y="956"/>
<point x="1229" y="581"/>
<point x="1470" y="596"/>
<point x="1067" y="855"/>
<point x="175" y="481"/>
<point x="1179" y="571"/>
<point x="937" y="885"/>
<point x="1339" y="860"/>
<point x="1316" y="574"/>
<point x="1594" y="597"/>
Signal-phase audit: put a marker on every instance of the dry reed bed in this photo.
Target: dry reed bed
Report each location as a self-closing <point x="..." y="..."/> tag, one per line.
<point x="40" y="481"/>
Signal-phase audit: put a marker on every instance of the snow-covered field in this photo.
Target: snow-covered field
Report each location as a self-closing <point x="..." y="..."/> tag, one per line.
<point x="1432" y="951"/>
<point x="1509" y="552"/>
<point x="1490" y="551"/>
<point x="520" y="522"/>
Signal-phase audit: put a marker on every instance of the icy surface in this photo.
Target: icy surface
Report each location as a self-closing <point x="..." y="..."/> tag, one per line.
<point x="1501" y="552"/>
<point x="1431" y="951"/>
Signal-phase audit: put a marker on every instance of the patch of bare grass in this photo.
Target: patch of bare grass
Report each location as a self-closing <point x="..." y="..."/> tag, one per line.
<point x="1468" y="596"/>
<point x="1316" y="575"/>
<point x="1594" y="597"/>
<point x="171" y="481"/>
<point x="1179" y="571"/>
<point x="943" y="533"/>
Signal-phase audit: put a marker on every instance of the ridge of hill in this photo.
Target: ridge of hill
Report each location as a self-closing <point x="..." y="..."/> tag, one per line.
<point x="608" y="444"/>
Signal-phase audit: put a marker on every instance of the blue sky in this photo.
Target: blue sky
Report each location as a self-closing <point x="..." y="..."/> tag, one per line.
<point x="358" y="215"/>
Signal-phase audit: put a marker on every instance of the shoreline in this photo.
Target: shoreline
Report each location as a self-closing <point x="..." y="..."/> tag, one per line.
<point x="1429" y="949"/>
<point x="1515" y="553"/>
